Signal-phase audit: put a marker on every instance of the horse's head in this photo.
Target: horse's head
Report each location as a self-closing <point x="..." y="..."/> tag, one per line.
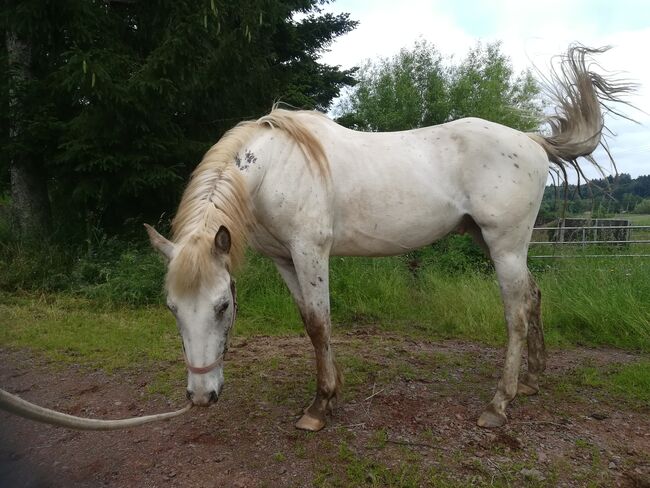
<point x="201" y="295"/>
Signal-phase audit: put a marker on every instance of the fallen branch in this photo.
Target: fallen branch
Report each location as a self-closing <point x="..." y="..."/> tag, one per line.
<point x="373" y="395"/>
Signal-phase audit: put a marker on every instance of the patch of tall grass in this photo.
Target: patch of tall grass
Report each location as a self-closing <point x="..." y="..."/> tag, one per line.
<point x="599" y="301"/>
<point x="447" y="291"/>
<point x="588" y="302"/>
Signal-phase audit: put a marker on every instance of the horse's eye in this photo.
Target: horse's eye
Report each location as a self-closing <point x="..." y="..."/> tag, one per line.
<point x="222" y="308"/>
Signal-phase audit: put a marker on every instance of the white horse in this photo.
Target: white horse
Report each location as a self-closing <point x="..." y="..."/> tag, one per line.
<point x="302" y="188"/>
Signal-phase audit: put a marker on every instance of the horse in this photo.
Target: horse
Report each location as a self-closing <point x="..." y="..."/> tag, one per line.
<point x="300" y="188"/>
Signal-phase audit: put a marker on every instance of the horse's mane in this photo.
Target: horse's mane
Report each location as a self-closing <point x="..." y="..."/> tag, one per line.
<point x="217" y="195"/>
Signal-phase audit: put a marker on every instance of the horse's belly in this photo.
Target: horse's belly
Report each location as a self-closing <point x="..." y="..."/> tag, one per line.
<point x="392" y="224"/>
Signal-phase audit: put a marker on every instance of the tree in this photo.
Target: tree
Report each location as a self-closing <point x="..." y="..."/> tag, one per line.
<point x="124" y="96"/>
<point x="418" y="87"/>
<point x="31" y="209"/>
<point x="620" y="193"/>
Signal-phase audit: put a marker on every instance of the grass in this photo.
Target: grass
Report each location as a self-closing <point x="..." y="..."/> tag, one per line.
<point x="107" y="312"/>
<point x="595" y="302"/>
<point x="631" y="381"/>
<point x="585" y="302"/>
<point x="76" y="330"/>
<point x="635" y="219"/>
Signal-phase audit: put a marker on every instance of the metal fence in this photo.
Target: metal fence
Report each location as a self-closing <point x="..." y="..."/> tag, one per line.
<point x="616" y="238"/>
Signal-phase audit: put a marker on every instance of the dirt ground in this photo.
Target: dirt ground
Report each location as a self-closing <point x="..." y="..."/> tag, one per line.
<point x="407" y="418"/>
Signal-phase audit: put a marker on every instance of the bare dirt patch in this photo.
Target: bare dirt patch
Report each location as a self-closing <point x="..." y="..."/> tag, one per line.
<point x="407" y="418"/>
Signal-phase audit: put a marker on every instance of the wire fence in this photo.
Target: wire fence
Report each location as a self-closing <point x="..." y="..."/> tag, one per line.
<point x="591" y="241"/>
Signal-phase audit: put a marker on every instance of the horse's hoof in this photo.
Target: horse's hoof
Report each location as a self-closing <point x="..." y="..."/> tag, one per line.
<point x="312" y="424"/>
<point x="491" y="419"/>
<point x="524" y="389"/>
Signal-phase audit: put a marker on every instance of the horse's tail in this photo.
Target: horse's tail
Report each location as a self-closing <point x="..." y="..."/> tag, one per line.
<point x="580" y="96"/>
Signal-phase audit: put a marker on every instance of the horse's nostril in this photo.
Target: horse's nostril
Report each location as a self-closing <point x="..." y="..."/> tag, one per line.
<point x="188" y="394"/>
<point x="213" y="396"/>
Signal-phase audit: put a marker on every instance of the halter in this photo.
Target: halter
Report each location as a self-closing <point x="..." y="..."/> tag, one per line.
<point x="219" y="361"/>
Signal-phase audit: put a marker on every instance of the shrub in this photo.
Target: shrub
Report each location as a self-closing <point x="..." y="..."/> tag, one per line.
<point x="643" y="207"/>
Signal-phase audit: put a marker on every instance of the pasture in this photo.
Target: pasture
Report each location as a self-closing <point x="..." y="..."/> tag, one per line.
<point x="420" y="347"/>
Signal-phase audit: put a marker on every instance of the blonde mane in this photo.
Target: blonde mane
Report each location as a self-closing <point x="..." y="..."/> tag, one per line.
<point x="217" y="195"/>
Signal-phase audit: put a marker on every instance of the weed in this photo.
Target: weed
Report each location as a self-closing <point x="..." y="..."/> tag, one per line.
<point x="379" y="439"/>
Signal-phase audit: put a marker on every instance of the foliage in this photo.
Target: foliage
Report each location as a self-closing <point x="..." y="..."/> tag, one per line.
<point x="603" y="197"/>
<point x="584" y="302"/>
<point x="124" y="275"/>
<point x="643" y="207"/>
<point x="124" y="97"/>
<point x="419" y="87"/>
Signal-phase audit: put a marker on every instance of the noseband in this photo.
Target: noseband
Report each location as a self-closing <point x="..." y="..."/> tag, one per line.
<point x="219" y="361"/>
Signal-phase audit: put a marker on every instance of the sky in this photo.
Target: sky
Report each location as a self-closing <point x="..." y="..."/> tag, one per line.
<point x="531" y="33"/>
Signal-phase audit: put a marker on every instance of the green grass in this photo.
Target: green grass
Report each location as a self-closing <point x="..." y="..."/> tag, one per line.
<point x="71" y="329"/>
<point x="635" y="219"/>
<point x="631" y="381"/>
<point x="590" y="302"/>
<point x="595" y="302"/>
<point x="598" y="302"/>
<point x="627" y="385"/>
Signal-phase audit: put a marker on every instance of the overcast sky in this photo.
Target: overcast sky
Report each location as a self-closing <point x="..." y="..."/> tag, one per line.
<point x="530" y="32"/>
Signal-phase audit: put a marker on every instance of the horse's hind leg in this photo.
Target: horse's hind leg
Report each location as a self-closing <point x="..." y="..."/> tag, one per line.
<point x="512" y="274"/>
<point x="529" y="384"/>
<point x="307" y="277"/>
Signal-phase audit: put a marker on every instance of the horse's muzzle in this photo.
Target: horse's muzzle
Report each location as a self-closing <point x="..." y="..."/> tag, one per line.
<point x="203" y="400"/>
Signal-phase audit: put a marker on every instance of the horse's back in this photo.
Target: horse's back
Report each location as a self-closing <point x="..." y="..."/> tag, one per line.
<point x="392" y="192"/>
<point x="402" y="190"/>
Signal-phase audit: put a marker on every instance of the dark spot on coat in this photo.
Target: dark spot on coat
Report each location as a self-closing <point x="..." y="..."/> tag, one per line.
<point x="312" y="283"/>
<point x="249" y="160"/>
<point x="516" y="166"/>
<point x="320" y="279"/>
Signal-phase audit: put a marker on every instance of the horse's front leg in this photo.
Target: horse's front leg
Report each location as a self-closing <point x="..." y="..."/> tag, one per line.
<point x="307" y="277"/>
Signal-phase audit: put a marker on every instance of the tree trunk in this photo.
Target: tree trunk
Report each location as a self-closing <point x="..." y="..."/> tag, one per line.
<point x="30" y="202"/>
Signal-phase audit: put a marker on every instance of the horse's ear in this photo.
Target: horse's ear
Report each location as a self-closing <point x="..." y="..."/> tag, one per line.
<point x="222" y="240"/>
<point x="159" y="243"/>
